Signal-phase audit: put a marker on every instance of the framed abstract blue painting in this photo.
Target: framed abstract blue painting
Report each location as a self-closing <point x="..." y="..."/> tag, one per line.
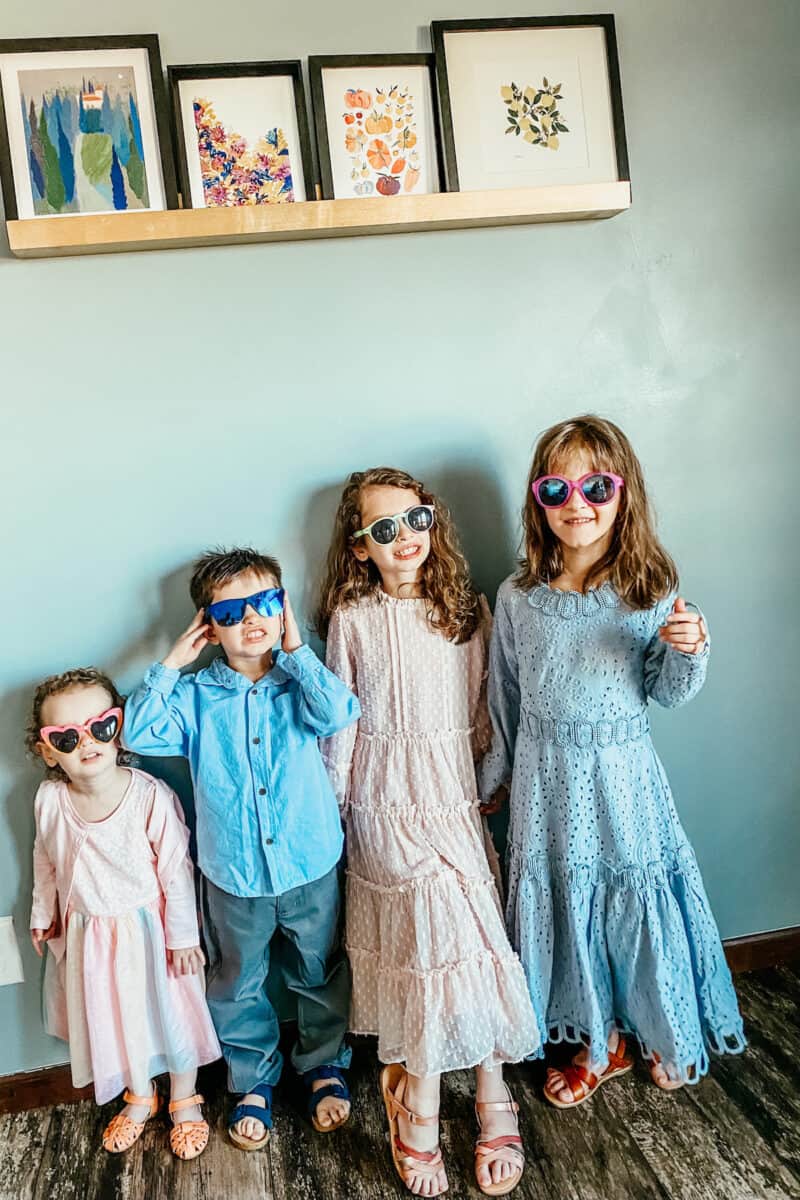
<point x="84" y="127"/>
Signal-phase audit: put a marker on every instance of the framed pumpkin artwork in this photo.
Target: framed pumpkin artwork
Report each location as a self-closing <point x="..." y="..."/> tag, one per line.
<point x="530" y="101"/>
<point x="376" y="125"/>
<point x="242" y="133"/>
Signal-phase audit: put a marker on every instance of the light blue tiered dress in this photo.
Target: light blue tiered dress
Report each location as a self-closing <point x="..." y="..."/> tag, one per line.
<point x="606" y="906"/>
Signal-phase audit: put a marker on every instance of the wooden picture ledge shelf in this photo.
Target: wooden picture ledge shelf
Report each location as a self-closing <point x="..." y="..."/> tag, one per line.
<point x="51" y="237"/>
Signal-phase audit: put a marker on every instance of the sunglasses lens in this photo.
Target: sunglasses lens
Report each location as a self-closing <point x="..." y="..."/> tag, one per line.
<point x="269" y="603"/>
<point x="226" y="612"/>
<point x="552" y="492"/>
<point x="64" y="741"/>
<point x="598" y="489"/>
<point x="384" y="531"/>
<point x="419" y="519"/>
<point x="106" y="730"/>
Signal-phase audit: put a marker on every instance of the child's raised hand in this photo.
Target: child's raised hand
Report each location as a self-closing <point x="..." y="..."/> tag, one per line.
<point x="40" y="936"/>
<point x="189" y="644"/>
<point x="186" y="962"/>
<point x="683" y="630"/>
<point x="291" y="639"/>
<point x="496" y="803"/>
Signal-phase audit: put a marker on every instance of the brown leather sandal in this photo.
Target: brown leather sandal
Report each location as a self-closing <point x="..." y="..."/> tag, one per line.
<point x="406" y="1160"/>
<point x="187" y="1139"/>
<point x="121" y="1132"/>
<point x="507" y="1147"/>
<point x="582" y="1082"/>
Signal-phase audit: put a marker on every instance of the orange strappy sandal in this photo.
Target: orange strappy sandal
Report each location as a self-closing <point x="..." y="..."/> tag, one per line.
<point x="507" y="1147"/>
<point x="121" y="1132"/>
<point x="582" y="1082"/>
<point x="422" y="1162"/>
<point x="187" y="1139"/>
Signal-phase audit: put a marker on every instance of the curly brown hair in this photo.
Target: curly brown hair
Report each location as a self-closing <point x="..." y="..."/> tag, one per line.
<point x="453" y="602"/>
<point x="637" y="565"/>
<point x="69" y="681"/>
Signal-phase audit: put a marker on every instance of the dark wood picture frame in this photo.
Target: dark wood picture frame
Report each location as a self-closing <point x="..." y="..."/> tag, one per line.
<point x="289" y="67"/>
<point x="605" y="21"/>
<point x="320" y="62"/>
<point x="148" y="42"/>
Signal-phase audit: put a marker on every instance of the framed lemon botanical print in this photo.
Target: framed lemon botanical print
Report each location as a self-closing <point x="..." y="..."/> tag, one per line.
<point x="242" y="133"/>
<point x="530" y="102"/>
<point x="376" y="125"/>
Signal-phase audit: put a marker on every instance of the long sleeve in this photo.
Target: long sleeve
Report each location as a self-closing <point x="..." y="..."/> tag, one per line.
<point x="673" y="678"/>
<point x="480" y="722"/>
<point x="159" y="714"/>
<point x="44" y="906"/>
<point x="327" y="704"/>
<point x="337" y="751"/>
<point x="504" y="703"/>
<point x="169" y="838"/>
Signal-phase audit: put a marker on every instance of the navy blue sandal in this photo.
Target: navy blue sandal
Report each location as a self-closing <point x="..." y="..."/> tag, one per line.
<point x="264" y="1115"/>
<point x="339" y="1089"/>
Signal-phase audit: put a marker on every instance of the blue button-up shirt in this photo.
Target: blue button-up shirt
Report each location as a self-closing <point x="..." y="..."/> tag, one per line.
<point x="267" y="818"/>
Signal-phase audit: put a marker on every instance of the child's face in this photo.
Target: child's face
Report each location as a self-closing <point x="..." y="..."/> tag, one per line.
<point x="89" y="759"/>
<point x="578" y="524"/>
<point x="401" y="560"/>
<point x="255" y="635"/>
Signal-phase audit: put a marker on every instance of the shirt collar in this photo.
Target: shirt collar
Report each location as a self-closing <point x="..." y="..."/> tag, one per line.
<point x="220" y="673"/>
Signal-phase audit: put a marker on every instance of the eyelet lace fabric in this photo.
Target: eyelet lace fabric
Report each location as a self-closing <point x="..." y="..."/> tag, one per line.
<point x="606" y="904"/>
<point x="434" y="975"/>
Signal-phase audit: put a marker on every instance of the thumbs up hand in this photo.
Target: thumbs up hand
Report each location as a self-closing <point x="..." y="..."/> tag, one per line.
<point x="684" y="630"/>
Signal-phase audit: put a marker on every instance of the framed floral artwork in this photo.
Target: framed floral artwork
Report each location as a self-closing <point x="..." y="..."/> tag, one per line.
<point x="242" y="135"/>
<point x="84" y="127"/>
<point x="530" y="102"/>
<point x="376" y="125"/>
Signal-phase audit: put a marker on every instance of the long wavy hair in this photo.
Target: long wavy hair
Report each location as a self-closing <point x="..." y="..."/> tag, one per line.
<point x="453" y="602"/>
<point x="69" y="681"/>
<point x="637" y="565"/>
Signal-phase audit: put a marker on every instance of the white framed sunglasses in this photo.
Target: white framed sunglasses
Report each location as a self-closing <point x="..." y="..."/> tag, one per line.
<point x="385" y="530"/>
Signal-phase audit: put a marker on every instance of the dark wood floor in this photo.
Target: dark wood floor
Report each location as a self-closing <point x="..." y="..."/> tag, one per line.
<point x="736" y="1136"/>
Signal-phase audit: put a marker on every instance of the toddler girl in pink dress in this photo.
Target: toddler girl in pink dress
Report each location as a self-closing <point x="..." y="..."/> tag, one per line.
<point x="113" y="898"/>
<point x="434" y="975"/>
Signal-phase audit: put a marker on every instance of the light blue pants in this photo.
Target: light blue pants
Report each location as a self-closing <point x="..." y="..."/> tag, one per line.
<point x="239" y="933"/>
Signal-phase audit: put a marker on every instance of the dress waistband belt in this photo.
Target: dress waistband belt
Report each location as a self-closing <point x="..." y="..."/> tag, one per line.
<point x="583" y="734"/>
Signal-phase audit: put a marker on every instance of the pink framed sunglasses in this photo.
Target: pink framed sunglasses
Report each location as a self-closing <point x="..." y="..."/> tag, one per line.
<point x="66" y="738"/>
<point x="597" y="488"/>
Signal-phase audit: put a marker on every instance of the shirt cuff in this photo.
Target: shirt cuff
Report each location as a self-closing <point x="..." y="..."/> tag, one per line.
<point x="162" y="679"/>
<point x="301" y="663"/>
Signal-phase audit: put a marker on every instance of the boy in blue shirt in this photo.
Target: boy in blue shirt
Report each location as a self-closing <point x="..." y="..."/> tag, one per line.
<point x="269" y="836"/>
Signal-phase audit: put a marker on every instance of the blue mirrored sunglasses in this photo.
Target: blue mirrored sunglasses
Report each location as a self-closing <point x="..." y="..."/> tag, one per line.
<point x="231" y="612"/>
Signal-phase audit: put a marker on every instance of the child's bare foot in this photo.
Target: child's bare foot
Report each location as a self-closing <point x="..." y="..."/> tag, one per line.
<point x="508" y="1160"/>
<point x="138" y="1112"/>
<point x="249" y="1127"/>
<point x="415" y="1147"/>
<point x="580" y="1080"/>
<point x="331" y="1110"/>
<point x="665" y="1075"/>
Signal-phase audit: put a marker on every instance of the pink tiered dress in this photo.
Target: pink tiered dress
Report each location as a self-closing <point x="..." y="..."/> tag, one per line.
<point x="124" y="890"/>
<point x="434" y="975"/>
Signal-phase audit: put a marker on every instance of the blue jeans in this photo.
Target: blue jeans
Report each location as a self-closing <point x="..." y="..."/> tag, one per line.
<point x="239" y="931"/>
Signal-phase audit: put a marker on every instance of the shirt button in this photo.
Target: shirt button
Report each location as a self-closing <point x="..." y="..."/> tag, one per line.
<point x="254" y="692"/>
<point x="256" y="741"/>
<point x="262" y="791"/>
<point x="269" y="841"/>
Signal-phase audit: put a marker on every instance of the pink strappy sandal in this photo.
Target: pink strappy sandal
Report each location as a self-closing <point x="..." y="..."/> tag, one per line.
<point x="187" y="1139"/>
<point x="426" y="1163"/>
<point x="121" y="1132"/>
<point x="507" y="1147"/>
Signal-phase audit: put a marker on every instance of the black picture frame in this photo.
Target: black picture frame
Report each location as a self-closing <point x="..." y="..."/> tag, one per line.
<point x="605" y="21"/>
<point x="148" y="42"/>
<point x="318" y="63"/>
<point x="289" y="67"/>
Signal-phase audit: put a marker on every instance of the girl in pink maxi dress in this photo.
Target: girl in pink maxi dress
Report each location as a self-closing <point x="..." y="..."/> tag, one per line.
<point x="434" y="976"/>
<point x="114" y="898"/>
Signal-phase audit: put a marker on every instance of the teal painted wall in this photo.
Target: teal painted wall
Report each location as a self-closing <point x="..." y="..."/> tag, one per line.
<point x="154" y="404"/>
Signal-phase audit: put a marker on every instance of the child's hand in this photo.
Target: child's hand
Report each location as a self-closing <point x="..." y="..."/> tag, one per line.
<point x="189" y="644"/>
<point x="291" y="639"/>
<point x="496" y="803"/>
<point x="40" y="936"/>
<point x="683" y="630"/>
<point x="186" y="962"/>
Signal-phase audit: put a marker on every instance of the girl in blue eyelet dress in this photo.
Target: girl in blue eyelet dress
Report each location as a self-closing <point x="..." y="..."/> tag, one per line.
<point x="605" y="906"/>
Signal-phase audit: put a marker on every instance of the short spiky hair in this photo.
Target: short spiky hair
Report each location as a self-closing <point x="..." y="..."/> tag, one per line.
<point x="69" y="681"/>
<point x="220" y="566"/>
